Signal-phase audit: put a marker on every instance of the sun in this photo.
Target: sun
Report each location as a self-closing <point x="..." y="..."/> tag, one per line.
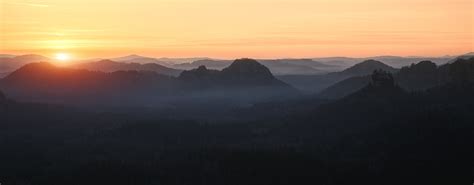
<point x="62" y="56"/>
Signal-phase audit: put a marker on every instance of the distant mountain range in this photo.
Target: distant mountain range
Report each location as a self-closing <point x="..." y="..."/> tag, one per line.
<point x="395" y="61"/>
<point x="364" y="68"/>
<point x="465" y="56"/>
<point x="9" y="63"/>
<point x="45" y="82"/>
<point x="112" y="66"/>
<point x="310" y="75"/>
<point x="7" y="56"/>
<point x="237" y="125"/>
<point x="278" y="66"/>
<point x="245" y="80"/>
<point x="316" y="83"/>
<point x="416" y="77"/>
<point x="241" y="73"/>
<point x="313" y="66"/>
<point x="141" y="60"/>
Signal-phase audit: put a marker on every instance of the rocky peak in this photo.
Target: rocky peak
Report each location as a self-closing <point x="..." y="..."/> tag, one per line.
<point x="367" y="67"/>
<point x="242" y="72"/>
<point x="247" y="68"/>
<point x="462" y="70"/>
<point x="199" y="73"/>
<point x="426" y="63"/>
<point x="381" y="79"/>
<point x="201" y="68"/>
<point x="369" y="63"/>
<point x="381" y="87"/>
<point x="421" y="68"/>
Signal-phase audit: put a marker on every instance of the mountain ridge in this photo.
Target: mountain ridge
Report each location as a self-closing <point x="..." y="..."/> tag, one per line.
<point x="244" y="81"/>
<point x="416" y="77"/>
<point x="111" y="66"/>
<point x="247" y="72"/>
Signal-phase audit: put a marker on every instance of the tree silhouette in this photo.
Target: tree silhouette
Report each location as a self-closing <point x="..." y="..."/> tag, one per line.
<point x="381" y="78"/>
<point x="462" y="71"/>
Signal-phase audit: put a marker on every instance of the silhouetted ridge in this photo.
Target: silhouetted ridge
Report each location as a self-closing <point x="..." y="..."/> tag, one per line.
<point x="366" y="67"/>
<point x="466" y="56"/>
<point x="46" y="82"/>
<point x="202" y="68"/>
<point x="35" y="66"/>
<point x="200" y="74"/>
<point x="248" y="71"/>
<point x="10" y="64"/>
<point x="106" y="61"/>
<point x="244" y="81"/>
<point x="462" y="71"/>
<point x="31" y="58"/>
<point x="242" y="72"/>
<point x="382" y="87"/>
<point x="382" y="79"/>
<point x="423" y="67"/>
<point x="34" y="70"/>
<point x="416" y="77"/>
<point x="112" y="66"/>
<point x="247" y="67"/>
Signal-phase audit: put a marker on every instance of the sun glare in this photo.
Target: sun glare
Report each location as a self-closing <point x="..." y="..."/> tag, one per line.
<point x="62" y="56"/>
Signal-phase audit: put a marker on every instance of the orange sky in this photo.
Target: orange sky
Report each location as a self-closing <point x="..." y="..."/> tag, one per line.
<point x="237" y="28"/>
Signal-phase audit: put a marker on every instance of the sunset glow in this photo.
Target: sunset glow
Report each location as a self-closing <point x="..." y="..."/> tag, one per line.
<point x="62" y="57"/>
<point x="237" y="28"/>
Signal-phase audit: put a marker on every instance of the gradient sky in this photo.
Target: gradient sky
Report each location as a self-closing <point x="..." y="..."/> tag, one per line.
<point x="237" y="28"/>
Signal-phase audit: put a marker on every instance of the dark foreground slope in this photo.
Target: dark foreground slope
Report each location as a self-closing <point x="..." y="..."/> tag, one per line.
<point x="378" y="135"/>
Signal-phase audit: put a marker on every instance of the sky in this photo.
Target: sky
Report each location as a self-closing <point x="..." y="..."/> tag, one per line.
<point x="237" y="28"/>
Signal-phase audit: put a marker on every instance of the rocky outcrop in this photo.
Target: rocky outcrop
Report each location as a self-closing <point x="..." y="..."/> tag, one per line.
<point x="462" y="71"/>
<point x="382" y="79"/>
<point x="242" y="72"/>
<point x="366" y="67"/>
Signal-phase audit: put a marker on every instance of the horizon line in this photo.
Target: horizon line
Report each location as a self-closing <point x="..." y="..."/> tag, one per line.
<point x="261" y="58"/>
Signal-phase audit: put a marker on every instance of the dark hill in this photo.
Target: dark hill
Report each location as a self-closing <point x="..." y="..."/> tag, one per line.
<point x="243" y="82"/>
<point x="277" y="66"/>
<point x="416" y="77"/>
<point x="317" y="83"/>
<point x="382" y="85"/>
<point x="242" y="72"/>
<point x="464" y="56"/>
<point x="462" y="71"/>
<point x="47" y="83"/>
<point x="366" y="67"/>
<point x="249" y="72"/>
<point x="10" y="64"/>
<point x="419" y="76"/>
